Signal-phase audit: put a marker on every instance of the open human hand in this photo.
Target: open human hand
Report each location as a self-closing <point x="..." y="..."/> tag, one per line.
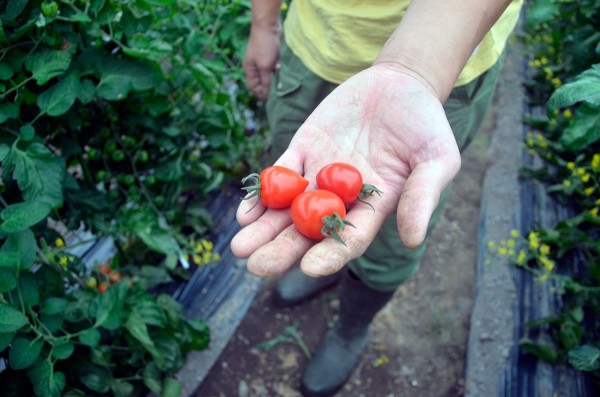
<point x="389" y="124"/>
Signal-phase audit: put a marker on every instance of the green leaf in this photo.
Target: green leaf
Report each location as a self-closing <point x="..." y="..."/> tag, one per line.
<point x="59" y="98"/>
<point x="27" y="132"/>
<point x="122" y="389"/>
<point x="585" y="358"/>
<point x="5" y="339"/>
<point x="45" y="65"/>
<point x="541" y="11"/>
<point x="63" y="349"/>
<point x="151" y="378"/>
<point x="90" y="337"/>
<point x="5" y="71"/>
<point x="118" y="77"/>
<point x="99" y="380"/>
<point x="8" y="110"/>
<point x="54" y="305"/>
<point x="39" y="173"/>
<point x="19" y="249"/>
<point x="87" y="91"/>
<point x="110" y="306"/>
<point x="4" y="151"/>
<point x="46" y="383"/>
<point x="24" y="352"/>
<point x="20" y="216"/>
<point x="585" y="88"/>
<point x="11" y="319"/>
<point x="14" y="8"/>
<point x="540" y="350"/>
<point x="8" y="281"/>
<point x="29" y="289"/>
<point x="583" y="130"/>
<point x="138" y="329"/>
<point x="171" y="387"/>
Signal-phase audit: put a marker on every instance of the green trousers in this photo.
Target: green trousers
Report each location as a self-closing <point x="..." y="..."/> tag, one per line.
<point x="296" y="92"/>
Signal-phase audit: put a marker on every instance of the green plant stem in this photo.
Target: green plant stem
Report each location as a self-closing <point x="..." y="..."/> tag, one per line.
<point x="16" y="87"/>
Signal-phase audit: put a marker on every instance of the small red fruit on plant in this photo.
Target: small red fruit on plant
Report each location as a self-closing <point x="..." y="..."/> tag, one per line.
<point x="318" y="214"/>
<point x="114" y="277"/>
<point x="276" y="186"/>
<point x="102" y="287"/>
<point x="346" y="181"/>
<point x="104" y="269"/>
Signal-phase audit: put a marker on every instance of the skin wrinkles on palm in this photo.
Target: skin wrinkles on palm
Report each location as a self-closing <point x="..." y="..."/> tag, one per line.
<point x="389" y="128"/>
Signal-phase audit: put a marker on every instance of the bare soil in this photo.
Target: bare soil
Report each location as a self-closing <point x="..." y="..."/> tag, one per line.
<point x="418" y="341"/>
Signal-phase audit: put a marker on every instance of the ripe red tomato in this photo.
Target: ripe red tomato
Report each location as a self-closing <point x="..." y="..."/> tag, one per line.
<point x="276" y="186"/>
<point x="346" y="181"/>
<point x="318" y="214"/>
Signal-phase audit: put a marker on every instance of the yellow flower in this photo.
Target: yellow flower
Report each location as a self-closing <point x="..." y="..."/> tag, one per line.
<point x="216" y="257"/>
<point x="544" y="61"/>
<point x="544" y="277"/>
<point x="580" y="171"/>
<point x="571" y="165"/>
<point x="284" y="6"/>
<point x="208" y="245"/>
<point x="556" y="82"/>
<point x="537" y="63"/>
<point x="63" y="261"/>
<point x="521" y="258"/>
<point x="491" y="245"/>
<point x="514" y="233"/>
<point x="567" y="182"/>
<point x="568" y="113"/>
<point x="59" y="243"/>
<point x="594" y="211"/>
<point x="545" y="249"/>
<point x="588" y="192"/>
<point x="197" y="259"/>
<point x="530" y="142"/>
<point x="597" y="202"/>
<point x="206" y="257"/>
<point x="585" y="178"/>
<point x="502" y="251"/>
<point x="534" y="241"/>
<point x="548" y="155"/>
<point x="596" y="161"/>
<point x="548" y="264"/>
<point x="199" y="248"/>
<point x="510" y="243"/>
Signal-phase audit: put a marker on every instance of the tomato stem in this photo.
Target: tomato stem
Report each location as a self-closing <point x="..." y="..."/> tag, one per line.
<point x="253" y="189"/>
<point x="332" y="225"/>
<point x="368" y="191"/>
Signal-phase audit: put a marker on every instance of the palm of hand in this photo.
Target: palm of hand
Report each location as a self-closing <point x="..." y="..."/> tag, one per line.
<point x="393" y="129"/>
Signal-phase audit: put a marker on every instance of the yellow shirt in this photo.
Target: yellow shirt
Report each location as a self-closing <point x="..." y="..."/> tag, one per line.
<point x="336" y="39"/>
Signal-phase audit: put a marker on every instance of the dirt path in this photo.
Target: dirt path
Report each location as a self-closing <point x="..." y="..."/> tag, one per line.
<point x="418" y="341"/>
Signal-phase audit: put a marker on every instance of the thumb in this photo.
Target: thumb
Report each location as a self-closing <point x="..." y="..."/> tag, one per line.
<point x="420" y="197"/>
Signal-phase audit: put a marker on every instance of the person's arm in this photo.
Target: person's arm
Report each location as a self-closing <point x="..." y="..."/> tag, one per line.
<point x="389" y="122"/>
<point x="436" y="38"/>
<point x="263" y="46"/>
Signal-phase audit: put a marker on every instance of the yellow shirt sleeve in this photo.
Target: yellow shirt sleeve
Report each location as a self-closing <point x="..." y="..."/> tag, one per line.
<point x="336" y="39"/>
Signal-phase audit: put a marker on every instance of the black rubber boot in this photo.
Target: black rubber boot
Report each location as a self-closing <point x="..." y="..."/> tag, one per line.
<point x="339" y="351"/>
<point x="295" y="286"/>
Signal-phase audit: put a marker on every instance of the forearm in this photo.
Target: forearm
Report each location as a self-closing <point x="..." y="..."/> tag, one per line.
<point x="265" y="14"/>
<point x="436" y="38"/>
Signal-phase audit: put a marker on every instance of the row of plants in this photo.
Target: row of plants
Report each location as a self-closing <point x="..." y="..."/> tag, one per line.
<point x="562" y="38"/>
<point x="117" y="119"/>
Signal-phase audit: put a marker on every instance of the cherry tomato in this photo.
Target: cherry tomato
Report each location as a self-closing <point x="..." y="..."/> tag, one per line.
<point x="114" y="277"/>
<point x="49" y="8"/>
<point x="318" y="214"/>
<point x="346" y="181"/>
<point x="276" y="186"/>
<point x="103" y="287"/>
<point x="104" y="269"/>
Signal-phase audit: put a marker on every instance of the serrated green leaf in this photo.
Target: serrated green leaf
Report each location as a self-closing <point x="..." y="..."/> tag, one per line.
<point x="122" y="389"/>
<point x="39" y="173"/>
<point x="58" y="99"/>
<point x="545" y="352"/>
<point x="63" y="349"/>
<point x="138" y="329"/>
<point x="46" y="383"/>
<point x="585" y="88"/>
<point x="20" y="216"/>
<point x="29" y="289"/>
<point x="24" y="352"/>
<point x="8" y="110"/>
<point x="45" y="65"/>
<point x="4" y="151"/>
<point x="90" y="337"/>
<point x="541" y="11"/>
<point x="583" y="130"/>
<point x="151" y="378"/>
<point x="54" y="305"/>
<point x="19" y="249"/>
<point x="11" y="319"/>
<point x="118" y="77"/>
<point x="585" y="358"/>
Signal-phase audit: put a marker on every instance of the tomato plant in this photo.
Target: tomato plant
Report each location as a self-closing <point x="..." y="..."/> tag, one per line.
<point x="318" y="214"/>
<point x="346" y="181"/>
<point x="276" y="186"/>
